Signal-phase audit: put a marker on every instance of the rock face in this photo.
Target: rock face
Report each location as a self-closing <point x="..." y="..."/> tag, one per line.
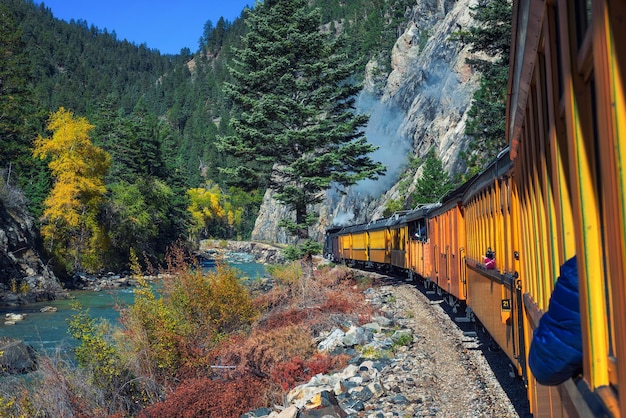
<point x="16" y="357"/>
<point x="423" y="103"/>
<point x="24" y="277"/>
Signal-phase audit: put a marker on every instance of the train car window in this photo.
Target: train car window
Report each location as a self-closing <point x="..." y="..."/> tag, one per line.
<point x="419" y="230"/>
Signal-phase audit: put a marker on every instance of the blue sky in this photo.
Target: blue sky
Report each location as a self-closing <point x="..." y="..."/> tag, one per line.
<point x="164" y="25"/>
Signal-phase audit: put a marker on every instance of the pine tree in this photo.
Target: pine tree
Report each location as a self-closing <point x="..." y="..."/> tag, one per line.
<point x="486" y="121"/>
<point x="297" y="131"/>
<point x="435" y="182"/>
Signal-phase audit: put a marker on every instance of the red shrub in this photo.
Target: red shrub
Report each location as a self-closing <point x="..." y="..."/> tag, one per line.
<point x="320" y="363"/>
<point x="287" y="317"/>
<point x="210" y="398"/>
<point x="289" y="373"/>
<point x="295" y="371"/>
<point x="338" y="302"/>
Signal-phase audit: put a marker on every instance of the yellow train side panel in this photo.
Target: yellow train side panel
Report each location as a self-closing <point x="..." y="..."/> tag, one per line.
<point x="345" y="246"/>
<point x="566" y="126"/>
<point x="609" y="58"/>
<point x="379" y="246"/>
<point x="448" y="241"/>
<point x="416" y="256"/>
<point x="485" y="296"/>
<point x="359" y="246"/>
<point x="398" y="246"/>
<point x="433" y="251"/>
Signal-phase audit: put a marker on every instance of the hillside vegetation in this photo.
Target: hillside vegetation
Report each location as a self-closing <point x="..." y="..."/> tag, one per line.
<point x="157" y="116"/>
<point x="159" y="119"/>
<point x="122" y="151"/>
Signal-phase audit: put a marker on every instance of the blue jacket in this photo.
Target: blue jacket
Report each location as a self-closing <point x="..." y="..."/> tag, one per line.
<point x="556" y="349"/>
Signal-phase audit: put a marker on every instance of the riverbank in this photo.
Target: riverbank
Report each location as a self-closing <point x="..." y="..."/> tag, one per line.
<point x="38" y="290"/>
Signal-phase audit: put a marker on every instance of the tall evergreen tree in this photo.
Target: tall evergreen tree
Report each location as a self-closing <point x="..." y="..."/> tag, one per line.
<point x="297" y="117"/>
<point x="486" y="122"/>
<point x="435" y="182"/>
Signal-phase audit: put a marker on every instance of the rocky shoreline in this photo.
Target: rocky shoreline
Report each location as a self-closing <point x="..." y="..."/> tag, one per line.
<point x="45" y="287"/>
<point x="262" y="253"/>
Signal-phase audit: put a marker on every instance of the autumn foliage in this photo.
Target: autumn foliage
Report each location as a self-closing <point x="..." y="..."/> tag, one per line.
<point x="203" y="397"/>
<point x="197" y="344"/>
<point x="70" y="220"/>
<point x="255" y="368"/>
<point x="175" y="331"/>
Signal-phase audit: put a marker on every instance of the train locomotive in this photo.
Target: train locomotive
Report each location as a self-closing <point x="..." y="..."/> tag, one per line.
<point x="496" y="243"/>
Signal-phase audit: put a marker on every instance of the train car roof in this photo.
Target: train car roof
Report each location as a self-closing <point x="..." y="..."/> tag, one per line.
<point x="498" y="168"/>
<point x="334" y="229"/>
<point x="421" y="212"/>
<point x="382" y="223"/>
<point x="454" y="197"/>
<point x="398" y="218"/>
<point x="526" y="23"/>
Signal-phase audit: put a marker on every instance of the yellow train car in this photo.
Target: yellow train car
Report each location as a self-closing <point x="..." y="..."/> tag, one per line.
<point x="359" y="241"/>
<point x="418" y="254"/>
<point x="566" y="126"/>
<point x="447" y="246"/>
<point x="379" y="240"/>
<point x="493" y="289"/>
<point x="352" y="243"/>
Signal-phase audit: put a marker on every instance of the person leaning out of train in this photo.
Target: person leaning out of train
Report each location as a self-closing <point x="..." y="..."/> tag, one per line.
<point x="556" y="348"/>
<point x="490" y="259"/>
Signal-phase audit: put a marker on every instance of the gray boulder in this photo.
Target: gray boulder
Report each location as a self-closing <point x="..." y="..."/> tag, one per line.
<point x="16" y="357"/>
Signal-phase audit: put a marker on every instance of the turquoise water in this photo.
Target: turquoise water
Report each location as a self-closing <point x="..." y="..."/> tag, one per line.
<point x="47" y="332"/>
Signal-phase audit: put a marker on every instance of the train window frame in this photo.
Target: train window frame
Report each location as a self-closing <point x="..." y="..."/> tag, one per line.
<point x="416" y="227"/>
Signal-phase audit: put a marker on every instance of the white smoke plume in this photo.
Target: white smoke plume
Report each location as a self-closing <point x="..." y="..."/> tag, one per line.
<point x="343" y="219"/>
<point x="383" y="130"/>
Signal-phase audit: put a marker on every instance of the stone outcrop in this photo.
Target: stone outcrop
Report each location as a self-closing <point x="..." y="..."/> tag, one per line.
<point x="24" y="276"/>
<point x="16" y="357"/>
<point x="423" y="103"/>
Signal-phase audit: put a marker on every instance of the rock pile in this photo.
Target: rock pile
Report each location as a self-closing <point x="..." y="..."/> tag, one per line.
<point x="348" y="392"/>
<point x="24" y="276"/>
<point x="412" y="361"/>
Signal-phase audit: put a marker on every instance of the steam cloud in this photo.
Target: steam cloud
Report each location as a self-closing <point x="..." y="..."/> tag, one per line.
<point x="383" y="130"/>
<point x="343" y="219"/>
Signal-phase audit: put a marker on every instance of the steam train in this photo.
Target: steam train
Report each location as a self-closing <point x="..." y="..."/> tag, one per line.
<point x="496" y="243"/>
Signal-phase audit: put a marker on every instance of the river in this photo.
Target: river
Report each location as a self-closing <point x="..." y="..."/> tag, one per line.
<point x="47" y="331"/>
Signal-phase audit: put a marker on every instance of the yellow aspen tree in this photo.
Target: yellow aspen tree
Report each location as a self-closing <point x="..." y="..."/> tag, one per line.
<point x="70" y="220"/>
<point x="205" y="207"/>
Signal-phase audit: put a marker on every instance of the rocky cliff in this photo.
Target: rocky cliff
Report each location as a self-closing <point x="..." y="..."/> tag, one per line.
<point x="24" y="277"/>
<point x="422" y="103"/>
